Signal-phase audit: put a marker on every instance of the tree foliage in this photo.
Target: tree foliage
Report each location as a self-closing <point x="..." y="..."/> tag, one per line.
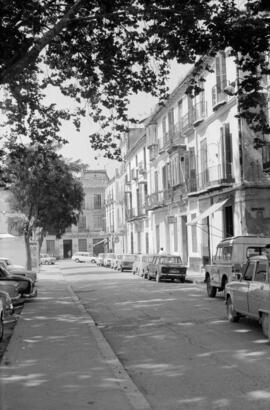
<point x="100" y="52"/>
<point x="44" y="189"/>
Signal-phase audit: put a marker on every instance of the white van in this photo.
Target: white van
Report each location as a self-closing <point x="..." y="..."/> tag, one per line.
<point x="83" y="257"/>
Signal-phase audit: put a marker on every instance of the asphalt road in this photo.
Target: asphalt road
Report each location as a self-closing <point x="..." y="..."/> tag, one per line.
<point x="175" y="342"/>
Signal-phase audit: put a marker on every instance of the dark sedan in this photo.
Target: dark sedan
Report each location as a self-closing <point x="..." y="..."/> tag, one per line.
<point x="26" y="285"/>
<point x="167" y="267"/>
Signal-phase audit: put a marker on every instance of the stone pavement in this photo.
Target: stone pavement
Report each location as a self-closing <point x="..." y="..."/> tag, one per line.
<point x="58" y="359"/>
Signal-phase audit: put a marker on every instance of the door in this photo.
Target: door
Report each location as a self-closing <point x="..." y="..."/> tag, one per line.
<point x="257" y="288"/>
<point x="241" y="289"/>
<point x="67" y="248"/>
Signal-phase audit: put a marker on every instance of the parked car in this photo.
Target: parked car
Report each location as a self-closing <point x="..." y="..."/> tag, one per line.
<point x="109" y="259"/>
<point x="126" y="262"/>
<point x="250" y="295"/>
<point x="46" y="259"/>
<point x="10" y="265"/>
<point x="21" y="272"/>
<point x="140" y="265"/>
<point x="7" y="304"/>
<point x="13" y="290"/>
<point x="230" y="256"/>
<point x="83" y="257"/>
<point x="100" y="259"/>
<point x="27" y="286"/>
<point x="2" y="303"/>
<point x="167" y="267"/>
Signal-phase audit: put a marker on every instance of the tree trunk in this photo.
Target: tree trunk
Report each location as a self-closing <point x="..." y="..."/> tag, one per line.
<point x="28" y="251"/>
<point x="40" y="240"/>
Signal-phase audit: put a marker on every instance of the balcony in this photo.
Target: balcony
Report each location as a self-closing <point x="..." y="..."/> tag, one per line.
<point x="219" y="98"/>
<point x="134" y="174"/>
<point x="199" y="113"/>
<point x="187" y="121"/>
<point x="212" y="178"/>
<point x="153" y="152"/>
<point x="151" y="137"/>
<point x="130" y="214"/>
<point x="163" y="143"/>
<point x="127" y="180"/>
<point x="155" y="200"/>
<point x="142" y="168"/>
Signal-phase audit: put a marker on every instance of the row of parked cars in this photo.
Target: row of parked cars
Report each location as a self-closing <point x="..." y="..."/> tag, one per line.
<point x="240" y="271"/>
<point x="149" y="267"/>
<point x="16" y="285"/>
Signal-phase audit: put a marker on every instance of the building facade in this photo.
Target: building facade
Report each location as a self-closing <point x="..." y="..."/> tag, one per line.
<point x="202" y="178"/>
<point x="89" y="234"/>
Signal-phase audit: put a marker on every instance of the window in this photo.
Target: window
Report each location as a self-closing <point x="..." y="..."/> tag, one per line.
<point x="131" y="243"/>
<point x="192" y="169"/>
<point x="82" y="223"/>
<point x="171" y="121"/>
<point x="227" y="253"/>
<point x="226" y="146"/>
<point x="194" y="235"/>
<point x="147" y="242"/>
<point x="82" y="245"/>
<point x="98" y="222"/>
<point x="97" y="201"/>
<point x="228" y="216"/>
<point x="175" y="236"/>
<point x="157" y="238"/>
<point x="221" y="75"/>
<point x="261" y="269"/>
<point x="204" y="164"/>
<point x="249" y="271"/>
<point x="50" y="246"/>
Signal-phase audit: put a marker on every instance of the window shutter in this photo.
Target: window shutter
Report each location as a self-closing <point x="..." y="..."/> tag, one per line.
<point x="218" y="74"/>
<point x="226" y="145"/>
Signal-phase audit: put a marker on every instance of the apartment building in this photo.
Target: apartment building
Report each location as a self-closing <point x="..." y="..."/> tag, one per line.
<point x="89" y="234"/>
<point x="204" y="179"/>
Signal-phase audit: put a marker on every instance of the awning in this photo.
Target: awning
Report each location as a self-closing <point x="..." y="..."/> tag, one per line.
<point x="213" y="208"/>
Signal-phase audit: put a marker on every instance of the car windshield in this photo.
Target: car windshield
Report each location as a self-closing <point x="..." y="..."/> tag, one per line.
<point x="170" y="260"/>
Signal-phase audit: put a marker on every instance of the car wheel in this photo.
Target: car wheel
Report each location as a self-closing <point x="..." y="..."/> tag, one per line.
<point x="182" y="280"/>
<point x="265" y="325"/>
<point x="77" y="260"/>
<point x="149" y="276"/>
<point x="211" y="290"/>
<point x="1" y="327"/>
<point x="232" y="314"/>
<point x="46" y="263"/>
<point x="157" y="277"/>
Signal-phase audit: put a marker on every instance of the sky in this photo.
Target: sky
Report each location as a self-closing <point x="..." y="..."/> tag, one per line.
<point x="78" y="146"/>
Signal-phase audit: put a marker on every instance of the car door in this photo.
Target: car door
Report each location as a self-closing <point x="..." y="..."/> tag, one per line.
<point x="257" y="288"/>
<point x="240" y="289"/>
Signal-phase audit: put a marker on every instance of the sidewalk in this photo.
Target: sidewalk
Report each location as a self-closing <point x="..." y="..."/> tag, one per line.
<point x="54" y="360"/>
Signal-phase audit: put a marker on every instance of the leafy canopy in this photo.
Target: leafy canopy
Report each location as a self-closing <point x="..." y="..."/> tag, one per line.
<point x="44" y="188"/>
<point x="99" y="52"/>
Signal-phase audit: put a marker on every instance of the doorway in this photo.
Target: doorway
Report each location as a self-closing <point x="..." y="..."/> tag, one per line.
<point x="67" y="248"/>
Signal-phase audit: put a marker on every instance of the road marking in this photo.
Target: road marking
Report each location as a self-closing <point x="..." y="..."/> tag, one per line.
<point x="135" y="397"/>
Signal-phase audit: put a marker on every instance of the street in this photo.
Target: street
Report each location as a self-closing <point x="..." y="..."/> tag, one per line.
<point x="174" y="342"/>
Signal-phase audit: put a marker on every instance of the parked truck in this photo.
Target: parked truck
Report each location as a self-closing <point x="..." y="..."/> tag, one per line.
<point x="231" y="254"/>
